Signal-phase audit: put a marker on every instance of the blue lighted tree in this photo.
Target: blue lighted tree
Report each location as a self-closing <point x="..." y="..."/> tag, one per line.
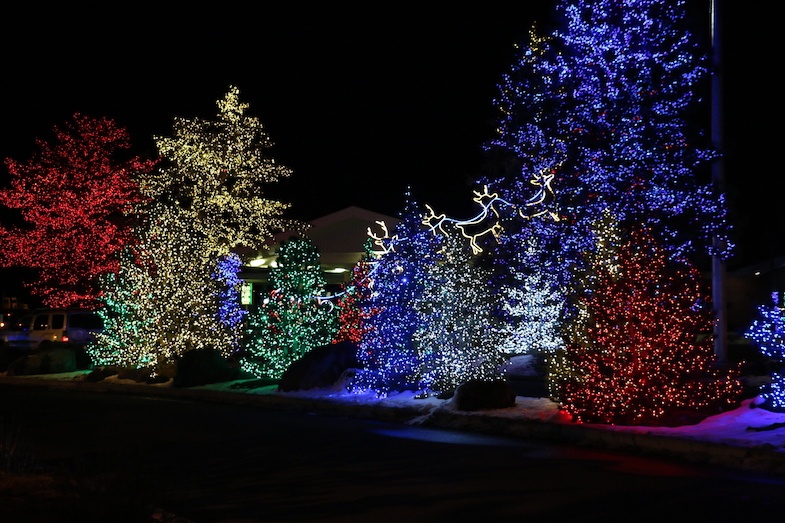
<point x="767" y="332"/>
<point x="399" y="279"/>
<point x="603" y="113"/>
<point x="600" y="118"/>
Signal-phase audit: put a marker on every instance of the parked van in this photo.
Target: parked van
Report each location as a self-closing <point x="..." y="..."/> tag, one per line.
<point x="45" y="328"/>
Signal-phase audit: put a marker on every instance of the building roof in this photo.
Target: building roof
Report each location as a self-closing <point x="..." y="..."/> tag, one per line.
<point x="339" y="238"/>
<point x="346" y="231"/>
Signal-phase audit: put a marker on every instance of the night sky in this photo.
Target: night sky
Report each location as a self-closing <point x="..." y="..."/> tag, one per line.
<point x="360" y="100"/>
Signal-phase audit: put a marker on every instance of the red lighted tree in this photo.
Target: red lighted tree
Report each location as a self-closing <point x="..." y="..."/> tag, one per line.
<point x="352" y="316"/>
<point x="647" y="357"/>
<point x="73" y="198"/>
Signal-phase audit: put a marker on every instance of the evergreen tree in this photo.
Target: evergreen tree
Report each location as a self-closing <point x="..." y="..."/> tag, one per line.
<point x="647" y="358"/>
<point x="142" y="325"/>
<point x="604" y="260"/>
<point x="295" y="318"/>
<point x="532" y="305"/>
<point x="400" y="276"/>
<point x="457" y="340"/>
<point x="218" y="172"/>
<point x="73" y="197"/>
<point x="207" y="198"/>
<point x="767" y="332"/>
<point x="352" y="316"/>
<point x="602" y="115"/>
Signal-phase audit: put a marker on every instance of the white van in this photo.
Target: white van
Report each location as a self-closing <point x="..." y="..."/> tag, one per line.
<point x="44" y="328"/>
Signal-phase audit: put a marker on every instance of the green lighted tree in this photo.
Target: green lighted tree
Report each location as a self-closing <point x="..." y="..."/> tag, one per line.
<point x="295" y="317"/>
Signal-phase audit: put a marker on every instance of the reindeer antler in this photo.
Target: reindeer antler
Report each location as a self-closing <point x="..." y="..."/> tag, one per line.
<point x="430" y="217"/>
<point x="379" y="240"/>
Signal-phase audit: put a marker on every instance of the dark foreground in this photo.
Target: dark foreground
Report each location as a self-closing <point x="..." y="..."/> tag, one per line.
<point x="85" y="456"/>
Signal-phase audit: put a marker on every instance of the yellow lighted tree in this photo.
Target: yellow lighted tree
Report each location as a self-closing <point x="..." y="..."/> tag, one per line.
<point x="218" y="171"/>
<point x="207" y="199"/>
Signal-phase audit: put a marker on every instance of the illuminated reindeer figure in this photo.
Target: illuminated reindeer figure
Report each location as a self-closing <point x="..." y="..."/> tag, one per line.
<point x="543" y="197"/>
<point x="380" y="240"/>
<point x="485" y="222"/>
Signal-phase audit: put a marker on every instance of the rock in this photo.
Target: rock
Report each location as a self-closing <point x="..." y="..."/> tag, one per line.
<point x="483" y="395"/>
<point x="52" y="361"/>
<point x="202" y="367"/>
<point x="321" y="367"/>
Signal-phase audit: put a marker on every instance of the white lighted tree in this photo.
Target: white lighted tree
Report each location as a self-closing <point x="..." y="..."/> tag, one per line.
<point x="457" y="340"/>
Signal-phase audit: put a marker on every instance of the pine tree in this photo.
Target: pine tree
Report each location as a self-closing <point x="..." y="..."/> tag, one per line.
<point x="457" y="340"/>
<point x="767" y="332"/>
<point x="602" y="115"/>
<point x="388" y="352"/>
<point x="74" y="197"/>
<point x="352" y="316"/>
<point x="611" y="124"/>
<point x="532" y="306"/>
<point x="151" y="316"/>
<point x="218" y="172"/>
<point x="295" y="318"/>
<point x="604" y="260"/>
<point x="647" y="358"/>
<point x="207" y="199"/>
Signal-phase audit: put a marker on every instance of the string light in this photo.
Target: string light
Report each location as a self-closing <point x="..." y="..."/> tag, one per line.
<point x="767" y="332"/>
<point x="292" y="320"/>
<point x="646" y="357"/>
<point x="177" y="290"/>
<point x="352" y="316"/>
<point x="486" y="221"/>
<point x="168" y="298"/>
<point x="72" y="196"/>
<point x="602" y="110"/>
<point x="387" y="352"/>
<point x="597" y="110"/>
<point x="458" y="339"/>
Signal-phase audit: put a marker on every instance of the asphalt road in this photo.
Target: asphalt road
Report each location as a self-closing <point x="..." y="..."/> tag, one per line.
<point x="127" y="457"/>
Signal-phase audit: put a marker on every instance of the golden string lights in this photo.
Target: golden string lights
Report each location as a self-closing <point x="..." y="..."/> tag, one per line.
<point x="486" y="221"/>
<point x="543" y="197"/>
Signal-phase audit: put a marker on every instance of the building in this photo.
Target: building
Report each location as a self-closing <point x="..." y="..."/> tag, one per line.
<point x="339" y="238"/>
<point x="751" y="286"/>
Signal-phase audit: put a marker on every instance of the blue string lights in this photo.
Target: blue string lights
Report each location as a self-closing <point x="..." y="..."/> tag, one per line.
<point x="767" y="332"/>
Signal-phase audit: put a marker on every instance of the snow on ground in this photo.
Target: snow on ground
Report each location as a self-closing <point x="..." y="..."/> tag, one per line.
<point x="744" y="426"/>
